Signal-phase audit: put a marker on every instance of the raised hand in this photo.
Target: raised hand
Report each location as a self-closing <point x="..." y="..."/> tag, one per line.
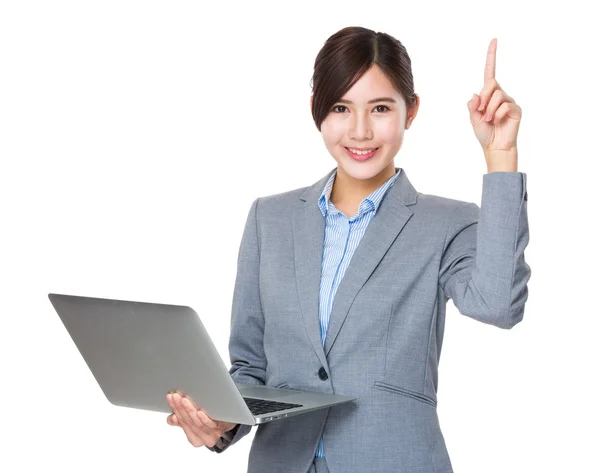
<point x="495" y="117"/>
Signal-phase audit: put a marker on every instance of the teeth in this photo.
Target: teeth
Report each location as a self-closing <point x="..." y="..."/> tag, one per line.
<point x="363" y="152"/>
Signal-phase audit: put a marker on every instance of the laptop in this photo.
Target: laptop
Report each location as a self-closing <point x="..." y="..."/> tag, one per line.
<point x="140" y="351"/>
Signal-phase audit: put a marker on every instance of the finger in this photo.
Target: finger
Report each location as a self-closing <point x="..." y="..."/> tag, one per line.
<point x="181" y="411"/>
<point x="500" y="97"/>
<point x="206" y="428"/>
<point x="208" y="435"/>
<point x="497" y="98"/>
<point x="199" y="436"/>
<point x="176" y="416"/>
<point x="490" y="62"/>
<point x="192" y="412"/>
<point x="206" y="420"/>
<point x="170" y="400"/>
<point x="195" y="438"/>
<point x="193" y="427"/>
<point x="486" y="93"/>
<point x="472" y="106"/>
<point x="175" y="421"/>
<point x="172" y="420"/>
<point x="170" y="417"/>
<point x="509" y="109"/>
<point x="188" y="428"/>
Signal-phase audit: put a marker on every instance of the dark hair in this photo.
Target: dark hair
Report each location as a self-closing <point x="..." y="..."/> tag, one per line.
<point x="346" y="56"/>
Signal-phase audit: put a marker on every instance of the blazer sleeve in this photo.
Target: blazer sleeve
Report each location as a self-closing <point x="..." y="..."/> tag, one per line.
<point x="247" y="356"/>
<point x="483" y="268"/>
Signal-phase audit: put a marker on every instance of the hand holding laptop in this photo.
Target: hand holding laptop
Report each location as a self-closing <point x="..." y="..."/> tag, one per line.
<point x="199" y="428"/>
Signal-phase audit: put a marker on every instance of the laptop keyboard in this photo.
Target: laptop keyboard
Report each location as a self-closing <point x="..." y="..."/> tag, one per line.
<point x="262" y="406"/>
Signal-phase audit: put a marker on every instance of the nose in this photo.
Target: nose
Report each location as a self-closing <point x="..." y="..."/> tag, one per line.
<point x="360" y="128"/>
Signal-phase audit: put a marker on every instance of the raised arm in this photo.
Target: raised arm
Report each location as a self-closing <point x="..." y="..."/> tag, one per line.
<point x="483" y="268"/>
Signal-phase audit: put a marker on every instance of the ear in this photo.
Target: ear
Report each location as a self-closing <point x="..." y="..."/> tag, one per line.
<point x="311" y="97"/>
<point x="413" y="111"/>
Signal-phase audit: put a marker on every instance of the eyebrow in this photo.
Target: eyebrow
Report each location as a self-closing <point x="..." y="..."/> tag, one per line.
<point x="379" y="99"/>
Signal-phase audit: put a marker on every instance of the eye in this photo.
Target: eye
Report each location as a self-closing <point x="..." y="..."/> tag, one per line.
<point x="384" y="106"/>
<point x="335" y="108"/>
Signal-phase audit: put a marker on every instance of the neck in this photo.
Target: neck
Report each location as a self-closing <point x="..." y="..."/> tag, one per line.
<point x="349" y="191"/>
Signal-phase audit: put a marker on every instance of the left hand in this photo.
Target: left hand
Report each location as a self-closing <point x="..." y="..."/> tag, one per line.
<point x="495" y="116"/>
<point x="199" y="428"/>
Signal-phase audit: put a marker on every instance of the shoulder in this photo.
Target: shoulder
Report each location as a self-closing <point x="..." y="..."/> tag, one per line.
<point x="441" y="205"/>
<point x="281" y="202"/>
<point x="443" y="214"/>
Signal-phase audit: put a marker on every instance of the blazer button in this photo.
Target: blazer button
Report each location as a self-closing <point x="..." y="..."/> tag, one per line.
<point x="323" y="374"/>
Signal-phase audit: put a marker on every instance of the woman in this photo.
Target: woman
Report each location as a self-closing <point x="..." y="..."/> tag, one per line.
<point x="342" y="286"/>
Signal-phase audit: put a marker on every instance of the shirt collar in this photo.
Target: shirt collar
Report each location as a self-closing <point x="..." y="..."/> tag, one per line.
<point x="371" y="202"/>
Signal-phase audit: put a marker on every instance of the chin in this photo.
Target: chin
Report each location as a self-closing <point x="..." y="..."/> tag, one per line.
<point x="361" y="171"/>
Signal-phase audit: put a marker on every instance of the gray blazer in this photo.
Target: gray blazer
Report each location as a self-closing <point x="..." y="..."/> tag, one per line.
<point x="387" y="324"/>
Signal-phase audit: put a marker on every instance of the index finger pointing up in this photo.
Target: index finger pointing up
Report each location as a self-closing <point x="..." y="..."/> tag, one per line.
<point x="490" y="63"/>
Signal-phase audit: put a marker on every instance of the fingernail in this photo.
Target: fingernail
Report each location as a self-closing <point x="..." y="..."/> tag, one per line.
<point x="480" y="107"/>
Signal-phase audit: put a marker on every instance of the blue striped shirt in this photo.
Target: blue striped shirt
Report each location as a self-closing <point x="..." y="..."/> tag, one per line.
<point x="342" y="236"/>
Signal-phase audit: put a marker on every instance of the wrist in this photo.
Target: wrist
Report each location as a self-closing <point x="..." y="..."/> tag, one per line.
<point x="502" y="160"/>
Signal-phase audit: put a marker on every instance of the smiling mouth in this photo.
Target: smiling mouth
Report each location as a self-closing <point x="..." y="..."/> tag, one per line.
<point x="361" y="156"/>
<point x="360" y="149"/>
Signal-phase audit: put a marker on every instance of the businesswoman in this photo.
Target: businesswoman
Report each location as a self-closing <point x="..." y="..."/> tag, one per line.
<point x="342" y="285"/>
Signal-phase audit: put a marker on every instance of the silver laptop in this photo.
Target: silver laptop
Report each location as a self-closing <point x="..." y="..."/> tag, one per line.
<point x="140" y="351"/>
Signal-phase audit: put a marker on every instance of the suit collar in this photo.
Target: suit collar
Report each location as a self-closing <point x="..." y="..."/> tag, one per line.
<point x="369" y="204"/>
<point x="309" y="233"/>
<point x="402" y="189"/>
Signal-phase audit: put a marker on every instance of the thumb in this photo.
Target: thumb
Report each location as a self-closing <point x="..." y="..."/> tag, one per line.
<point x="472" y="106"/>
<point x="471" y="103"/>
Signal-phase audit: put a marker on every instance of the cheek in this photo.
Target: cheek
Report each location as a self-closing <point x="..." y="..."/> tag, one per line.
<point x="333" y="131"/>
<point x="389" y="131"/>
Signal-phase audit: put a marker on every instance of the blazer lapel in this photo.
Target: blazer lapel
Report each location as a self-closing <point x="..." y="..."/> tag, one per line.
<point x="309" y="234"/>
<point x="385" y="226"/>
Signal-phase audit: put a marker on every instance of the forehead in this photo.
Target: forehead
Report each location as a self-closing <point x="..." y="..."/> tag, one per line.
<point x="372" y="84"/>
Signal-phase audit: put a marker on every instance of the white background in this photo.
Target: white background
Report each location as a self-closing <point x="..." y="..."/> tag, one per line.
<point x="130" y="131"/>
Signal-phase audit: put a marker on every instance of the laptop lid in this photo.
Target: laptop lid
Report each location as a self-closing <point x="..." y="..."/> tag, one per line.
<point x="140" y="351"/>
